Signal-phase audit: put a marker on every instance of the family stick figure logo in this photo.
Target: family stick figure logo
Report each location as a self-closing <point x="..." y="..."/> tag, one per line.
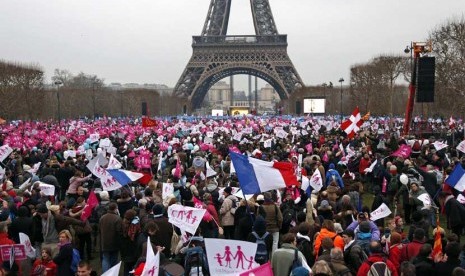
<point x="186" y="216"/>
<point x="240" y="258"/>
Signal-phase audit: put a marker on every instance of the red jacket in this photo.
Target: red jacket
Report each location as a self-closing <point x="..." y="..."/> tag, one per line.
<point x="410" y="251"/>
<point x="50" y="266"/>
<point x="364" y="164"/>
<point x="394" y="255"/>
<point x="365" y="267"/>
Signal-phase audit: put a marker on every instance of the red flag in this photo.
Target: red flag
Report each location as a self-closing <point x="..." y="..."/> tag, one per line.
<point x="90" y="205"/>
<point x="451" y="122"/>
<point x="263" y="270"/>
<point x="437" y="247"/>
<point x="353" y="124"/>
<point x="199" y="205"/>
<point x="147" y="122"/>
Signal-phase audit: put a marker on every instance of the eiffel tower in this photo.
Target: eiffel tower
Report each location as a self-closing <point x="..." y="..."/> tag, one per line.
<point x="217" y="55"/>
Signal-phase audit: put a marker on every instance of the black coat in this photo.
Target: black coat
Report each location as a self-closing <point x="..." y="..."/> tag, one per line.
<point x="64" y="259"/>
<point x="455" y="213"/>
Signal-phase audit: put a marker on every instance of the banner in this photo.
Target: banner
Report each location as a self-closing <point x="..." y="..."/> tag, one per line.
<point x="29" y="249"/>
<point x="113" y="163"/>
<point x="267" y="143"/>
<point x="109" y="183"/>
<point x="186" y="218"/>
<point x="94" y="137"/>
<point x="18" y="250"/>
<point x="230" y="257"/>
<point x="382" y="212"/>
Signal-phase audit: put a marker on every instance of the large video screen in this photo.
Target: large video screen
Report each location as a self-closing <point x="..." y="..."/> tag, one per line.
<point x="315" y="105"/>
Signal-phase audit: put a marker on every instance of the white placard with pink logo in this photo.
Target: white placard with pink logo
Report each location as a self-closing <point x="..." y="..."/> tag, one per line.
<point x="230" y="257"/>
<point x="186" y="218"/>
<point x="381" y="212"/>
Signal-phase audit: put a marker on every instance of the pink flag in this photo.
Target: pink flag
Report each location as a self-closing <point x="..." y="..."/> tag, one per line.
<point x="263" y="270"/>
<point x="198" y="204"/>
<point x="325" y="157"/>
<point x="177" y="171"/>
<point x="90" y="205"/>
<point x="404" y="151"/>
<point x="309" y="148"/>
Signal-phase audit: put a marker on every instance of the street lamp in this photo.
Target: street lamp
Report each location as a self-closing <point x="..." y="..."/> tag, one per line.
<point x="58" y="83"/>
<point x="341" y="80"/>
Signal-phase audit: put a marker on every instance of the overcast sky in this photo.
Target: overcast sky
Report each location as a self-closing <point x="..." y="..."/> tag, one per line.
<point x="149" y="41"/>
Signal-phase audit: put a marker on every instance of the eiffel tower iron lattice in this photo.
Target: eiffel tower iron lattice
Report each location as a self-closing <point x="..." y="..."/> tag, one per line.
<point x="217" y="55"/>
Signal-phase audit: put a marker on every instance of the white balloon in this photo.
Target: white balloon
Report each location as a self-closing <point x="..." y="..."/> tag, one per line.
<point x="404" y="179"/>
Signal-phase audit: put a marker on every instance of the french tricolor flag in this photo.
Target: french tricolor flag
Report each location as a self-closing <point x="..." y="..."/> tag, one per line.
<point x="124" y="177"/>
<point x="258" y="176"/>
<point x="457" y="178"/>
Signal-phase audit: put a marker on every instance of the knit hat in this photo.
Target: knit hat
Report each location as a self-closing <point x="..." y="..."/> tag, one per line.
<point x="104" y="196"/>
<point x="324" y="205"/>
<point x="228" y="190"/>
<point x="259" y="225"/>
<point x="364" y="227"/>
<point x="42" y="208"/>
<point x="300" y="271"/>
<point x="157" y="210"/>
<point x="338" y="228"/>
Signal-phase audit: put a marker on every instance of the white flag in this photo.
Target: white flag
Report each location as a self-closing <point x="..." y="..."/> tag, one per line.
<point x="372" y="166"/>
<point x="5" y="150"/>
<point x="152" y="261"/>
<point x="47" y="189"/>
<point x="426" y="199"/>
<point x="168" y="190"/>
<point x="316" y="182"/>
<point x="113" y="271"/>
<point x="113" y="163"/>
<point x="438" y="145"/>
<point x="30" y="250"/>
<point x="230" y="257"/>
<point x="461" y="146"/>
<point x="267" y="143"/>
<point x="461" y="199"/>
<point x="237" y="136"/>
<point x="210" y="171"/>
<point x="381" y="212"/>
<point x="186" y="218"/>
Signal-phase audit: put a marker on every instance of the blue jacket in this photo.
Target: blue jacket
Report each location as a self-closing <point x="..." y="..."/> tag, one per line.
<point x="375" y="234"/>
<point x="333" y="174"/>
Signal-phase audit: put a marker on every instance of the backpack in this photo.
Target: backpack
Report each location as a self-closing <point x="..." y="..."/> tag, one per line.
<point x="364" y="245"/>
<point x="296" y="262"/>
<point x="195" y="261"/>
<point x="303" y="244"/>
<point x="379" y="269"/>
<point x="289" y="217"/>
<point x="76" y="260"/>
<point x="233" y="206"/>
<point x="186" y="193"/>
<point x="262" y="255"/>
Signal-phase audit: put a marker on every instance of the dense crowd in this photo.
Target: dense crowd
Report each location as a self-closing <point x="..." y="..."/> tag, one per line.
<point x="299" y="231"/>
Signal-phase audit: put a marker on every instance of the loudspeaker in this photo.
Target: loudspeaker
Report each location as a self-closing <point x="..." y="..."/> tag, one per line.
<point x="144" y="109"/>
<point x="425" y="79"/>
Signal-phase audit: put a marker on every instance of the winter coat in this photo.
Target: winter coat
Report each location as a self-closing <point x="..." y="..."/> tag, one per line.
<point x="74" y="183"/>
<point x="50" y="266"/>
<point x="164" y="234"/>
<point x="446" y="268"/>
<point x="227" y="218"/>
<point x="423" y="266"/>
<point x="111" y="231"/>
<point x="394" y="255"/>
<point x="273" y="217"/>
<point x="410" y="251"/>
<point x="338" y="241"/>
<point x="64" y="259"/>
<point x="282" y="259"/>
<point x="365" y="267"/>
<point x="455" y="212"/>
<point x="375" y="234"/>
<point x="339" y="268"/>
<point x="352" y="257"/>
